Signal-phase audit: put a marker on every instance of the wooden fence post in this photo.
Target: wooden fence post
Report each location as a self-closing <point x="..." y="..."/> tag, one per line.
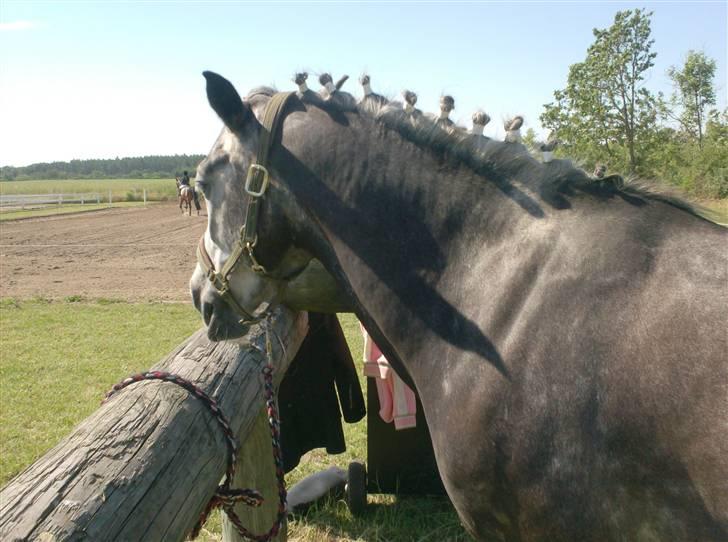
<point x="256" y="469"/>
<point x="145" y="464"/>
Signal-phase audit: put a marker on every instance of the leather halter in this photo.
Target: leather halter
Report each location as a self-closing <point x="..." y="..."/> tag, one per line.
<point x="256" y="184"/>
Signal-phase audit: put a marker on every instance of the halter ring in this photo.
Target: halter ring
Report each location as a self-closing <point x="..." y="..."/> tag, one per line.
<point x="253" y="173"/>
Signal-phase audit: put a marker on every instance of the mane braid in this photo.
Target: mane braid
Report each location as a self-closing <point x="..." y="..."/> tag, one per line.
<point x="486" y="157"/>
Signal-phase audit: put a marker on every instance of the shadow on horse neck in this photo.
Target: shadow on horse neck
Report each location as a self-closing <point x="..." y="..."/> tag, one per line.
<point x="390" y="233"/>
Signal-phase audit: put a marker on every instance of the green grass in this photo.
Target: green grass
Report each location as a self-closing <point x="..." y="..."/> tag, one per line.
<point x="717" y="210"/>
<point x="62" y="210"/>
<point x="57" y="359"/>
<point x="121" y="189"/>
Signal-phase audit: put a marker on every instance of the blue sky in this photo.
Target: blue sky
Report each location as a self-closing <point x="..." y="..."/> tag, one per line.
<point x="100" y="80"/>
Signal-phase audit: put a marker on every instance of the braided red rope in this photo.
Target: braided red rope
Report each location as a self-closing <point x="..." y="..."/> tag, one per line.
<point x="225" y="497"/>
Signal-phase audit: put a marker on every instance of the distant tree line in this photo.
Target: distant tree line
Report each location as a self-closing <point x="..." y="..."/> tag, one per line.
<point x="607" y="114"/>
<point x="138" y="167"/>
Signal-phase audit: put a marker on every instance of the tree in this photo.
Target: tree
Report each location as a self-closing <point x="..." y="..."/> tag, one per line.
<point x="605" y="112"/>
<point x="701" y="172"/>
<point x="529" y="140"/>
<point x="694" y="92"/>
<point x="133" y="167"/>
<point x="712" y="180"/>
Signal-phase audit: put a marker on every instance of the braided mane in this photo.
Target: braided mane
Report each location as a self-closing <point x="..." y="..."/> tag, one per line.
<point x="486" y="157"/>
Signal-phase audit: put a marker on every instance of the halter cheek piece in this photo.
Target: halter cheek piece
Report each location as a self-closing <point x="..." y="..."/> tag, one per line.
<point x="256" y="184"/>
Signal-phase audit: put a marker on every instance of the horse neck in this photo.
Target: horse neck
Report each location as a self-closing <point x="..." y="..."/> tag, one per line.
<point x="394" y="226"/>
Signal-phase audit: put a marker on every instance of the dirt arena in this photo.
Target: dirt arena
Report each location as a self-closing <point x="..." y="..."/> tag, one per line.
<point x="135" y="254"/>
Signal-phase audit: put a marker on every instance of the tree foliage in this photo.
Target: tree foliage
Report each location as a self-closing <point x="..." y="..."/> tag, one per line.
<point x="694" y="92"/>
<point x="606" y="113"/>
<point x="530" y="140"/>
<point x="701" y="170"/>
<point x="147" y="167"/>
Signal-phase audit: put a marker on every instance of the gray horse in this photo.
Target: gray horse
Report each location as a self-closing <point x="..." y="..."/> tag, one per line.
<point x="567" y="335"/>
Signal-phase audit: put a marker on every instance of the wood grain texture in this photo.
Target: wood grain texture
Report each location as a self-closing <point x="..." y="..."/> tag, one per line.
<point x="143" y="466"/>
<point x="256" y="469"/>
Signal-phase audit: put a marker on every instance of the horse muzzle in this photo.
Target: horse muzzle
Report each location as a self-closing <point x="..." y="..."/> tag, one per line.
<point x="225" y="317"/>
<point x="222" y="322"/>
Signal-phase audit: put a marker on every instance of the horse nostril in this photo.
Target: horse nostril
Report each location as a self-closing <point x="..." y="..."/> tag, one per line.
<point x="207" y="309"/>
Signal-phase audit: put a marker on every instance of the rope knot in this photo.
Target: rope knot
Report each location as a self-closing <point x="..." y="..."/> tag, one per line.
<point x="225" y="497"/>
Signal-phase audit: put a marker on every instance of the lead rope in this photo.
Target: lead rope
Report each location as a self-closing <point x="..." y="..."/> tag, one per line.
<point x="224" y="496"/>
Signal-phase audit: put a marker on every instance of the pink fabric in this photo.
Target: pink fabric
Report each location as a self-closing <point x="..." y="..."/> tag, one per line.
<point x="396" y="400"/>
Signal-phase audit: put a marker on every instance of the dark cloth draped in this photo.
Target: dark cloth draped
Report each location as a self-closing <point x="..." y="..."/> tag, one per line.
<point x="307" y="397"/>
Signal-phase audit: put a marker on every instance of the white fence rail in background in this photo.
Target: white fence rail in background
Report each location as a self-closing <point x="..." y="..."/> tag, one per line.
<point x="37" y="200"/>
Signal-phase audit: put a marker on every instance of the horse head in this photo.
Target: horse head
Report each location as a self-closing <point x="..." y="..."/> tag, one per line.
<point x="246" y="256"/>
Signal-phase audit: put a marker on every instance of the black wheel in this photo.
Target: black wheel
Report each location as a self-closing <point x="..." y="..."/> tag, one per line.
<point x="356" y="488"/>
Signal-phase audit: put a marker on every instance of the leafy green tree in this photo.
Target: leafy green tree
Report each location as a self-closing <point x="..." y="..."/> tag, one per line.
<point x="701" y="172"/>
<point x="605" y="113"/>
<point x="529" y="140"/>
<point x="713" y="159"/>
<point x="8" y="174"/>
<point x="694" y="92"/>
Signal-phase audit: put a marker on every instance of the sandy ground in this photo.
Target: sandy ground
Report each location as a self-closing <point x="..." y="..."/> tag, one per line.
<point x="136" y="254"/>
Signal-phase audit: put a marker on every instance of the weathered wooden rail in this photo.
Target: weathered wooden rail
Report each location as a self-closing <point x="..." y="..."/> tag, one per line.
<point x="144" y="465"/>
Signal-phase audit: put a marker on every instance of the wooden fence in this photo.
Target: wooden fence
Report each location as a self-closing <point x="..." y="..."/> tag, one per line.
<point x="145" y="464"/>
<point x="40" y="200"/>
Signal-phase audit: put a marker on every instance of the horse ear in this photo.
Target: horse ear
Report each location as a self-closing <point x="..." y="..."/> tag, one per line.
<point x="226" y="102"/>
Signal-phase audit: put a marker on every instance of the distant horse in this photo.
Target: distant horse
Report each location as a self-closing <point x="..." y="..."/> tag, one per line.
<point x="566" y="335"/>
<point x="186" y="197"/>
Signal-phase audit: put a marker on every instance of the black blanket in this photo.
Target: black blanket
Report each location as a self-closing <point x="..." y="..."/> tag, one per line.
<point x="307" y="398"/>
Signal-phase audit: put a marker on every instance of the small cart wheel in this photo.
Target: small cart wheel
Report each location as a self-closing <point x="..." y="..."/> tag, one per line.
<point x="356" y="488"/>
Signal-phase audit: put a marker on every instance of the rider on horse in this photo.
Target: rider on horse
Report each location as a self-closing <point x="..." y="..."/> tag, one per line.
<point x="185" y="181"/>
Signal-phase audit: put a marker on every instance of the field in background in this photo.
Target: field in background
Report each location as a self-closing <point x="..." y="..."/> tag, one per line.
<point x="122" y="192"/>
<point x="134" y="253"/>
<point x="57" y="357"/>
<point x="52" y="210"/>
<point x="60" y="357"/>
<point x="121" y="189"/>
<point x="131" y="190"/>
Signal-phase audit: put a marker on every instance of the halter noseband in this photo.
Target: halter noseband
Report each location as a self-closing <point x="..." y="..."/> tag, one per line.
<point x="256" y="184"/>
